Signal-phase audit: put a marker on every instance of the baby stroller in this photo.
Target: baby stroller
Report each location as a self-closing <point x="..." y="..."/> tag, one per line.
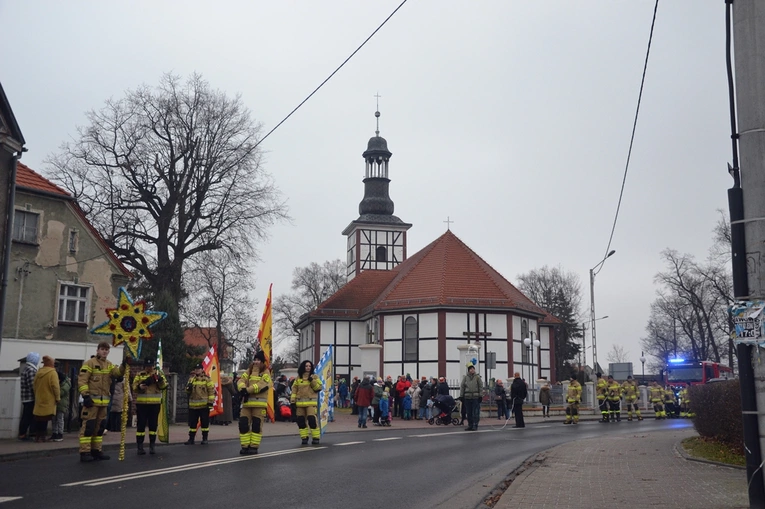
<point x="283" y="409"/>
<point x="449" y="411"/>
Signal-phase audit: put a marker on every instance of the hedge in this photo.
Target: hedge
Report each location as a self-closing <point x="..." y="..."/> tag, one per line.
<point x="718" y="412"/>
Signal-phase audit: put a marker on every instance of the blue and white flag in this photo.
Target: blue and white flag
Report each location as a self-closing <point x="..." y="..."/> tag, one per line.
<point x="327" y="394"/>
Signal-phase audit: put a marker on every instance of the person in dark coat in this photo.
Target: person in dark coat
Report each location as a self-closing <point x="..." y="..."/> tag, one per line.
<point x="363" y="397"/>
<point x="500" y="398"/>
<point x="227" y="391"/>
<point x="354" y="386"/>
<point x="518" y="394"/>
<point x="425" y="395"/>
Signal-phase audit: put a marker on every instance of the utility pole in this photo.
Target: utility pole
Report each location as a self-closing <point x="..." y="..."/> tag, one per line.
<point x="747" y="205"/>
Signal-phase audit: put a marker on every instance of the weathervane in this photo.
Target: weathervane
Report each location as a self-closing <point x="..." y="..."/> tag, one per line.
<point x="377" y="113"/>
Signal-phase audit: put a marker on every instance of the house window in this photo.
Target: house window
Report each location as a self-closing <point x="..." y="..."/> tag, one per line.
<point x="73" y="303"/>
<point x="410" y="339"/>
<point x="381" y="254"/>
<point x="73" y="239"/>
<point x="524" y="334"/>
<point x="25" y="226"/>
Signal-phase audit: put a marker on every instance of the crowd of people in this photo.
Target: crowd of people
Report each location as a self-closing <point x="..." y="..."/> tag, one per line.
<point x="44" y="398"/>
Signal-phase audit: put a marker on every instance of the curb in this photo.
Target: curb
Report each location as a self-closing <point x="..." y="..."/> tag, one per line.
<point x="528" y="465"/>
<point x="680" y="450"/>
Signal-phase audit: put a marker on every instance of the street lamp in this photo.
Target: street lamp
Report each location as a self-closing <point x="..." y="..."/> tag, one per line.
<point x="642" y="361"/>
<point x="529" y="342"/>
<point x="583" y="351"/>
<point x="592" y="308"/>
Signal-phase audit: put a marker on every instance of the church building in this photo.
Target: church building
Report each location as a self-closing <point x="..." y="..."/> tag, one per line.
<point x="421" y="312"/>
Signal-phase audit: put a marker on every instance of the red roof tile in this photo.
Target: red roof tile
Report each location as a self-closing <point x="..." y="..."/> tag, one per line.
<point x="204" y="337"/>
<point x="28" y="178"/>
<point x="444" y="273"/>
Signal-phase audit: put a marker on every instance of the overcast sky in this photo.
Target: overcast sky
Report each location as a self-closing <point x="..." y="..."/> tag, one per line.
<point x="512" y="118"/>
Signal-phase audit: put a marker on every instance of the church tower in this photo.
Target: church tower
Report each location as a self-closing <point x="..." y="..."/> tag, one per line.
<point x="377" y="239"/>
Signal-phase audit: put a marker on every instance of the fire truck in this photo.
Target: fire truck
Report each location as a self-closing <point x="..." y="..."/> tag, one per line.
<point x="681" y="373"/>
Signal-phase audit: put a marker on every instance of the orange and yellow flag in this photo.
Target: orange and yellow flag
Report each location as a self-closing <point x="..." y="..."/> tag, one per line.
<point x="265" y="341"/>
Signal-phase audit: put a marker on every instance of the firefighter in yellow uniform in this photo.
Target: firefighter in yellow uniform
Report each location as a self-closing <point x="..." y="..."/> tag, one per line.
<point x="669" y="402"/>
<point x="253" y="387"/>
<point x="601" y="388"/>
<point x="94" y="384"/>
<point x="147" y="387"/>
<point x="573" y="398"/>
<point x="614" y="399"/>
<point x="630" y="391"/>
<point x="201" y="391"/>
<point x="656" y="394"/>
<point x="305" y="393"/>
<point x="685" y="403"/>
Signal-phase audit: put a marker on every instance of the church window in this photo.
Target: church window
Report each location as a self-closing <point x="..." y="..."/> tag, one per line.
<point x="381" y="254"/>
<point x="410" y="339"/>
<point x="524" y="334"/>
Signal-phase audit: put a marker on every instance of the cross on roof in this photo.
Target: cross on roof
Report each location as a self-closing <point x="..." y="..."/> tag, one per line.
<point x="448" y="223"/>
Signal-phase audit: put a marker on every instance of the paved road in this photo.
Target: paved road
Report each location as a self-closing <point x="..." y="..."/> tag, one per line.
<point x="428" y="467"/>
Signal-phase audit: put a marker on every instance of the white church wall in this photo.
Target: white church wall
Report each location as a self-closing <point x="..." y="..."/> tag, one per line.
<point x="498" y="347"/>
<point x="323" y="349"/>
<point x="392" y="351"/>
<point x="453" y="372"/>
<point x="519" y="368"/>
<point x="428" y="349"/>
<point x="517" y="351"/>
<point x="411" y="368"/>
<point x="342" y="333"/>
<point x="398" y="252"/>
<point x="497" y="325"/>
<point x="327" y="333"/>
<point x="429" y="325"/>
<point x="342" y="355"/>
<point x="393" y="327"/>
<point x="429" y="369"/>
<point x="544" y="337"/>
<point x="455" y="325"/>
<point x="358" y="333"/>
<point x="452" y="354"/>
<point x="516" y="328"/>
<point x="545" y="359"/>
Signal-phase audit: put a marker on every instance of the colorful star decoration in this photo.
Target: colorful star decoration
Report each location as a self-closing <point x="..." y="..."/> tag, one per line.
<point x="129" y="322"/>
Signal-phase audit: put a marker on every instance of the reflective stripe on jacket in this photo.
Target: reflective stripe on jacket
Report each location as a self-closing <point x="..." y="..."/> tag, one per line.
<point x="257" y="384"/>
<point x="95" y="380"/>
<point x="629" y="388"/>
<point x="657" y="394"/>
<point x="601" y="388"/>
<point x="574" y="394"/>
<point x="305" y="390"/>
<point x="152" y="394"/>
<point x="202" y="392"/>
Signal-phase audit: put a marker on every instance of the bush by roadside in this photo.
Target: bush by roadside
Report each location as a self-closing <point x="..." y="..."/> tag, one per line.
<point x="718" y="413"/>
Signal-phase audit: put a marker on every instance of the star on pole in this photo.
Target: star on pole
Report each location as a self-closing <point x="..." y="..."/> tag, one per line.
<point x="129" y="323"/>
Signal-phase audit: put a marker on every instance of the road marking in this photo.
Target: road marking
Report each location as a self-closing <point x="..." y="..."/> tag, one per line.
<point x="348" y="443"/>
<point x="386" y="439"/>
<point x="182" y="468"/>
<point x="9" y="499"/>
<point x="453" y="433"/>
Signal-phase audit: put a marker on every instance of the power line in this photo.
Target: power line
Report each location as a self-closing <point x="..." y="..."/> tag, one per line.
<point x="632" y="137"/>
<point x="333" y="73"/>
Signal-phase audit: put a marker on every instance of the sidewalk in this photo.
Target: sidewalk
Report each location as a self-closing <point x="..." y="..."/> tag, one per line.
<point x="643" y="469"/>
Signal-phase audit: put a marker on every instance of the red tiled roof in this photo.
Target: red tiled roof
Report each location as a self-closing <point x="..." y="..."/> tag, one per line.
<point x="204" y="337"/>
<point x="444" y="273"/>
<point x="29" y="179"/>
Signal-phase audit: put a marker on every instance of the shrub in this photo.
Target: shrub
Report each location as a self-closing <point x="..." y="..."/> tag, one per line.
<point x="718" y="412"/>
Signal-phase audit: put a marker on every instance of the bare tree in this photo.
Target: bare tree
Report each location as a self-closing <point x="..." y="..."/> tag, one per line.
<point x="311" y="286"/>
<point x="219" y="300"/>
<point x="560" y="293"/>
<point x="618" y="354"/>
<point x="168" y="173"/>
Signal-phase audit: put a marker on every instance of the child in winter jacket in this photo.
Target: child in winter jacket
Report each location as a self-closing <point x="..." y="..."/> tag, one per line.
<point x="407" y="404"/>
<point x="385" y="408"/>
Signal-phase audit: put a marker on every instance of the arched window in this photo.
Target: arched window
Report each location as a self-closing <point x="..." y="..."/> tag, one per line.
<point x="381" y="254"/>
<point x="524" y="334"/>
<point x="410" y="339"/>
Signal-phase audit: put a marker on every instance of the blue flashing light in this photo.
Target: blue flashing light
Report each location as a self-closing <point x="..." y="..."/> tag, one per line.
<point x="675" y="361"/>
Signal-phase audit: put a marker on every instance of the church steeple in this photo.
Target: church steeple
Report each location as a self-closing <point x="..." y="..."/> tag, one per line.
<point x="377" y="158"/>
<point x="377" y="239"/>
